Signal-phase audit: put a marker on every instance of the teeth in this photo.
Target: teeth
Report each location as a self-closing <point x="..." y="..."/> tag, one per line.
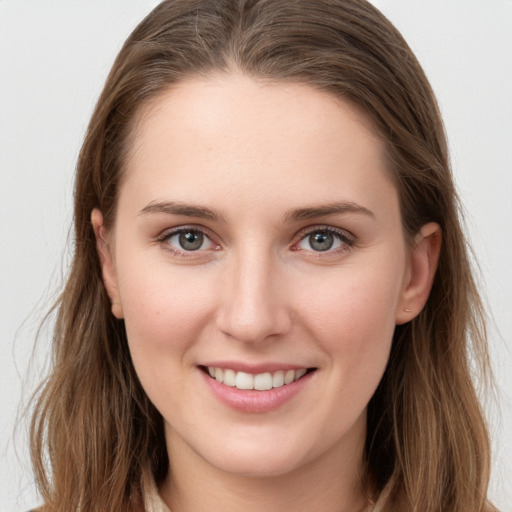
<point x="243" y="380"/>
<point x="263" y="381"/>
<point x="289" y="376"/>
<point x="260" y="382"/>
<point x="300" y="373"/>
<point x="278" y="379"/>
<point x="229" y="378"/>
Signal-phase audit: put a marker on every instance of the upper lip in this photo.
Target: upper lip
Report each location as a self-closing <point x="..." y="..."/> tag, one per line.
<point x="255" y="369"/>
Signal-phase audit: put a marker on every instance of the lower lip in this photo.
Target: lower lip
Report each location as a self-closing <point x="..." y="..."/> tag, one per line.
<point x="256" y="401"/>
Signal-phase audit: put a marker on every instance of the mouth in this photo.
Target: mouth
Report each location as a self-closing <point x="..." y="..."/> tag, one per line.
<point x="258" y="382"/>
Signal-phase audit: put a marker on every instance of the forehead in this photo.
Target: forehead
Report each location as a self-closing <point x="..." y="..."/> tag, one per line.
<point x="229" y="98"/>
<point x="231" y="133"/>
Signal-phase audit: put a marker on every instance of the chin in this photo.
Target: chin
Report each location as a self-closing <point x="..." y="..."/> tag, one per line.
<point x="257" y="460"/>
<point x="258" y="467"/>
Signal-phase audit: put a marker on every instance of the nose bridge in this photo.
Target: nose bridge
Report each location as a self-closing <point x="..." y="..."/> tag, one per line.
<point x="254" y="302"/>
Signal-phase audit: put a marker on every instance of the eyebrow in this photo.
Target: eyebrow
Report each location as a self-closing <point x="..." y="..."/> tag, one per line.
<point x="177" y="208"/>
<point x="325" y="210"/>
<point x="201" y="212"/>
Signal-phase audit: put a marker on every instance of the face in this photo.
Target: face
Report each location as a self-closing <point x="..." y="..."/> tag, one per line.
<point x="259" y="263"/>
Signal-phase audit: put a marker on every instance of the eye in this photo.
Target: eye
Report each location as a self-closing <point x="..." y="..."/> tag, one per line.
<point x="325" y="239"/>
<point x="188" y="240"/>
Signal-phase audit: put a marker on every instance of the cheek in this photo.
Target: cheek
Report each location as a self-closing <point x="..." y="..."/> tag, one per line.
<point x="165" y="311"/>
<point x="354" y="319"/>
<point x="164" y="317"/>
<point x="354" y="304"/>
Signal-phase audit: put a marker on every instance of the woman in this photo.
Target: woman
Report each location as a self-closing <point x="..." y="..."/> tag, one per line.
<point x="270" y="300"/>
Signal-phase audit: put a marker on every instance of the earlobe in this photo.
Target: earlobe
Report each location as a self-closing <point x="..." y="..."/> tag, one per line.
<point x="423" y="261"/>
<point x="103" y="248"/>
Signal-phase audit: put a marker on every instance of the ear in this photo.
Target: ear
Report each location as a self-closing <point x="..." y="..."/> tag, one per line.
<point x="108" y="273"/>
<point x="423" y="260"/>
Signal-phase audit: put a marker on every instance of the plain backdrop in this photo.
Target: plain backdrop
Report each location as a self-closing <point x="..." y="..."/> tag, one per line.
<point x="54" y="57"/>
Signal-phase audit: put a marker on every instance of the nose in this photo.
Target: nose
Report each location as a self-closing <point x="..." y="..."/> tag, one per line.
<point x="254" y="299"/>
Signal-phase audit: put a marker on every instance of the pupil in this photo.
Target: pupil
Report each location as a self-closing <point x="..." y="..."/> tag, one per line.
<point x="321" y="241"/>
<point x="191" y="240"/>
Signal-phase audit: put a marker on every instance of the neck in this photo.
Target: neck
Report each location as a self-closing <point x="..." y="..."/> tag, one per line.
<point x="328" y="483"/>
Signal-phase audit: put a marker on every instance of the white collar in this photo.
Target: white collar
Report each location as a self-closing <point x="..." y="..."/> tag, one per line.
<point x="152" y="500"/>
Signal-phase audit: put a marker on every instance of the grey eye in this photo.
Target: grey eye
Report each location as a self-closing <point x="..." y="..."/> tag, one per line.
<point x="324" y="240"/>
<point x="191" y="240"/>
<point x="187" y="240"/>
<point x="321" y="240"/>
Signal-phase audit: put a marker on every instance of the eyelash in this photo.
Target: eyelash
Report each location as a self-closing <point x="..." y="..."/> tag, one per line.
<point x="183" y="253"/>
<point x="346" y="238"/>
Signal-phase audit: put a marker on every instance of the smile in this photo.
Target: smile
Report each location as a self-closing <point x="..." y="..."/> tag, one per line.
<point x="259" y="382"/>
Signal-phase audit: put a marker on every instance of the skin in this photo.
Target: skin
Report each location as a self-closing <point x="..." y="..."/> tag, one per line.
<point x="257" y="291"/>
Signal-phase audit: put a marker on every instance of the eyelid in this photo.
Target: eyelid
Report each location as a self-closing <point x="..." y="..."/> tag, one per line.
<point x="345" y="236"/>
<point x="348" y="239"/>
<point x="165" y="235"/>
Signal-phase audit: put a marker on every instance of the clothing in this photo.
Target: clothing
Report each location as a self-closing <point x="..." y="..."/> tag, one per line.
<point x="152" y="500"/>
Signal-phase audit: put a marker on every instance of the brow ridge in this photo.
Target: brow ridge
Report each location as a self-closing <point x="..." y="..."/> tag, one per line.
<point x="299" y="214"/>
<point x="324" y="210"/>
<point x="178" y="208"/>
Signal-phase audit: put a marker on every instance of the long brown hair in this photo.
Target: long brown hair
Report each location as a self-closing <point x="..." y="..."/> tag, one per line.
<point x="95" y="435"/>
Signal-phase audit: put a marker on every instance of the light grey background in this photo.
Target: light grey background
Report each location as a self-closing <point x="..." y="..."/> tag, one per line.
<point x="54" y="57"/>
